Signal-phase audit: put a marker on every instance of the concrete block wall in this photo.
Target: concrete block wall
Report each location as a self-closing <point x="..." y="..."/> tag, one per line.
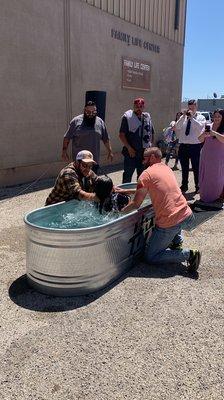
<point x="52" y="52"/>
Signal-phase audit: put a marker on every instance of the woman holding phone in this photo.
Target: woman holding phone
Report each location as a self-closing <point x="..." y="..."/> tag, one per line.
<point x="211" y="169"/>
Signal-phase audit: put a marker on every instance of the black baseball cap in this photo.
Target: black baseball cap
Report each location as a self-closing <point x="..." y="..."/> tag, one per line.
<point x="192" y="101"/>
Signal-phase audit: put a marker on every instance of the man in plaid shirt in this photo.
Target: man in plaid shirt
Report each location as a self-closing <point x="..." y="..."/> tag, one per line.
<point x="75" y="181"/>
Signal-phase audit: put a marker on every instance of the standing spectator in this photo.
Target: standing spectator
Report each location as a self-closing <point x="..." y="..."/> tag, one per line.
<point x="172" y="213"/>
<point x="136" y="134"/>
<point x="86" y="131"/>
<point x="211" y="172"/>
<point x="172" y="142"/>
<point x="188" y="128"/>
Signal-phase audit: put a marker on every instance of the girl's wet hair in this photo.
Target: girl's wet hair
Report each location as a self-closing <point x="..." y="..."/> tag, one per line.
<point x="103" y="188"/>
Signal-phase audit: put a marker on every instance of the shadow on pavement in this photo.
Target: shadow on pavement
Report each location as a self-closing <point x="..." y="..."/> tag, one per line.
<point x="109" y="169"/>
<point x="18" y="190"/>
<point x="26" y="297"/>
<point x="202" y="214"/>
<point x="22" y="294"/>
<point x="162" y="271"/>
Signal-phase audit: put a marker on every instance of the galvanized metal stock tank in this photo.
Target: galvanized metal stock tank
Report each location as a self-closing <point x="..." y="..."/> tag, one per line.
<point x="68" y="262"/>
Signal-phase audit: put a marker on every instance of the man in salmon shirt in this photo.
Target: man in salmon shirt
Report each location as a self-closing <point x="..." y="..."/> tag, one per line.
<point x="172" y="213"/>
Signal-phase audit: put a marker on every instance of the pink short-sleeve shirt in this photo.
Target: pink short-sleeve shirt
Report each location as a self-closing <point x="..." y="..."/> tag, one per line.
<point x="169" y="204"/>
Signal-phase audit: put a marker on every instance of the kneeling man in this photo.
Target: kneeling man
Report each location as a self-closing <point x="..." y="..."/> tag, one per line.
<point x="172" y="212"/>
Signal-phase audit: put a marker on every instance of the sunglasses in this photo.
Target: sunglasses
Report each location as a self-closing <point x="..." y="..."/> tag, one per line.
<point x="90" y="112"/>
<point x="86" y="165"/>
<point x="139" y="105"/>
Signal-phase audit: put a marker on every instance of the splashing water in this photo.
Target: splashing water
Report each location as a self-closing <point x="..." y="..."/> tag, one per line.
<point x="74" y="215"/>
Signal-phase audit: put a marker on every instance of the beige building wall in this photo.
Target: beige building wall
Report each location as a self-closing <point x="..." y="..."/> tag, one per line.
<point x="157" y="16"/>
<point x="53" y="51"/>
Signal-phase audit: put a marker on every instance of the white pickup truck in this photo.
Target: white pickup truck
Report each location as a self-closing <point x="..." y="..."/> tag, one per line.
<point x="207" y="116"/>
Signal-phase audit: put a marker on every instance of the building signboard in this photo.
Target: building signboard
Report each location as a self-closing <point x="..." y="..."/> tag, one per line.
<point x="135" y="74"/>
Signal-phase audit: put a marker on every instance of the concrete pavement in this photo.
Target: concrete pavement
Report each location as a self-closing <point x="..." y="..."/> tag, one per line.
<point x="154" y="334"/>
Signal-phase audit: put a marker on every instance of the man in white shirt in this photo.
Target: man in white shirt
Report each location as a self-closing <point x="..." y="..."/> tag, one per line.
<point x="188" y="128"/>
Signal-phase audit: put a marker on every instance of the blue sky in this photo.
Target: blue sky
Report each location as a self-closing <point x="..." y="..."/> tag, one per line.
<point x="204" y="49"/>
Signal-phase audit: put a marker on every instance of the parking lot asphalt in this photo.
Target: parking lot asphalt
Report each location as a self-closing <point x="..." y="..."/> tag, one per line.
<point x="155" y="334"/>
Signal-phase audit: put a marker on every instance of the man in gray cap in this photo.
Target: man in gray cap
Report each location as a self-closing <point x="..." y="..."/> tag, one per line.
<point x="75" y="181"/>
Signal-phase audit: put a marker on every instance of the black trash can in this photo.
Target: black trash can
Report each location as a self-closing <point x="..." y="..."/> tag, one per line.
<point x="99" y="97"/>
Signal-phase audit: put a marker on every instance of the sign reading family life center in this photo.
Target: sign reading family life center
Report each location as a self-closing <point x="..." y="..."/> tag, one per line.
<point x="135" y="74"/>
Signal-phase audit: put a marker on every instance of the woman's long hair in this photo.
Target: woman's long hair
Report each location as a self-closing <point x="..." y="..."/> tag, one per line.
<point x="103" y="188"/>
<point x="220" y="129"/>
<point x="178" y="115"/>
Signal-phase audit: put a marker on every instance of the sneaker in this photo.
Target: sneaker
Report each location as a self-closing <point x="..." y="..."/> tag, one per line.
<point x="176" y="246"/>
<point x="194" y="260"/>
<point x="184" y="188"/>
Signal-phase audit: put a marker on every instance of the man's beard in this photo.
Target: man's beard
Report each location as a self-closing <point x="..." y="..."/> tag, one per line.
<point x="89" y="121"/>
<point x="138" y="113"/>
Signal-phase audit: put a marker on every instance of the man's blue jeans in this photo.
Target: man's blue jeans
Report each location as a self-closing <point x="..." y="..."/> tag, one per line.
<point x="156" y="250"/>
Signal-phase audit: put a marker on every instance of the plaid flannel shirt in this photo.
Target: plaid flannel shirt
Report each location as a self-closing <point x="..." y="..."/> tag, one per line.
<point x="68" y="185"/>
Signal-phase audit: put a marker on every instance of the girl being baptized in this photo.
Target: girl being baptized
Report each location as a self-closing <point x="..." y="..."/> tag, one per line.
<point x="111" y="198"/>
